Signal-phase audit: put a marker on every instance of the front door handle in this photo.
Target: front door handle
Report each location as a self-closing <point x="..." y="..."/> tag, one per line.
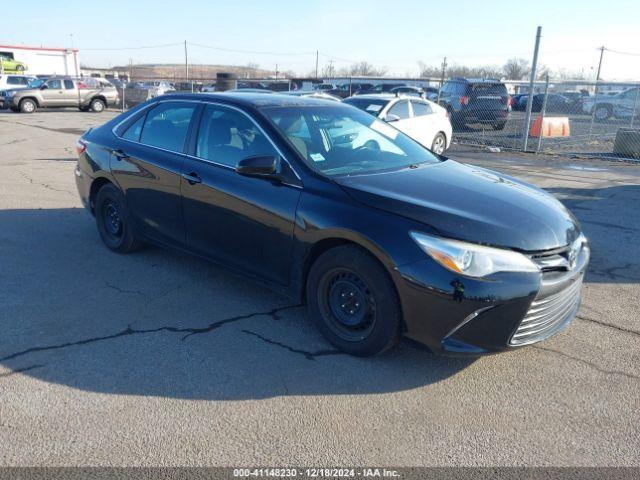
<point x="192" y="178"/>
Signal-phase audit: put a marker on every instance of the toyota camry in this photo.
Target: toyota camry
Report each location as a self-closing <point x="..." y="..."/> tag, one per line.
<point x="321" y="201"/>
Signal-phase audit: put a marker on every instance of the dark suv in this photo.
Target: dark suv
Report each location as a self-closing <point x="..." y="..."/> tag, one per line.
<point x="470" y="101"/>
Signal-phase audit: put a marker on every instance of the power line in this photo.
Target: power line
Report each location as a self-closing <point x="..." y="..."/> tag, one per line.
<point x="132" y="48"/>
<point x="633" y="54"/>
<point x="251" y="52"/>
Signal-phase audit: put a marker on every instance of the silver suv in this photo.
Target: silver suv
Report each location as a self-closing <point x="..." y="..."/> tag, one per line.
<point x="86" y="94"/>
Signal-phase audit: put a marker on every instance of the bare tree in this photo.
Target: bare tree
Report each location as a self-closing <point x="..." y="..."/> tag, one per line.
<point x="454" y="70"/>
<point x="364" y="69"/>
<point x="516" y="68"/>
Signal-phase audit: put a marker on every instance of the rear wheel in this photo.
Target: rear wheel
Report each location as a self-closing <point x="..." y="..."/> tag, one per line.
<point x="353" y="301"/>
<point x="439" y="144"/>
<point x="112" y="219"/>
<point x="28" y="106"/>
<point x="499" y="125"/>
<point x="19" y="68"/>
<point x="97" y="105"/>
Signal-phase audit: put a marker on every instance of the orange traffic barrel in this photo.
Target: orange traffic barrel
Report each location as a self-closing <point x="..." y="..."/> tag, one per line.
<point x="551" y="127"/>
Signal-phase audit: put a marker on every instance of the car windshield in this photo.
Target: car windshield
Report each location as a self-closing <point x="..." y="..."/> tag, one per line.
<point x="373" y="106"/>
<point x="340" y="140"/>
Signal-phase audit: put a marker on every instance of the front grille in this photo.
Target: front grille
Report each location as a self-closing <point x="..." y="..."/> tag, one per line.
<point x="548" y="314"/>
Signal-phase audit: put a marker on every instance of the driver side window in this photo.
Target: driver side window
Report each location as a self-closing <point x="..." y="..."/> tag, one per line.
<point x="227" y="136"/>
<point x="54" y="85"/>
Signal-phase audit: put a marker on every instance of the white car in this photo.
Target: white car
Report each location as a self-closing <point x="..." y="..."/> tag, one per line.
<point x="424" y="121"/>
<point x="15" y="81"/>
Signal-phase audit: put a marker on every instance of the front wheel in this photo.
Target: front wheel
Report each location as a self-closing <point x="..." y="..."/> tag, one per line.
<point x="439" y="144"/>
<point x="20" y="68"/>
<point x="28" y="106"/>
<point x="112" y="219"/>
<point x="499" y="125"/>
<point x="353" y="301"/>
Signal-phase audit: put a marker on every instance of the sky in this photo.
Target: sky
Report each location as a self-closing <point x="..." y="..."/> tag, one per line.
<point x="393" y="34"/>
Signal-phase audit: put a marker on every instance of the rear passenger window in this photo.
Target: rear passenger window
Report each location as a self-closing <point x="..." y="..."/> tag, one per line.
<point x="401" y="109"/>
<point x="17" y="81"/>
<point x="420" y="109"/>
<point x="134" y="130"/>
<point x="68" y="84"/>
<point x="166" y="126"/>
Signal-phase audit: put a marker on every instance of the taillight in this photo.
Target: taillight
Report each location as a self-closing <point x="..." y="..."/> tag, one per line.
<point x="510" y="101"/>
<point x="464" y="100"/>
<point x="81" y="147"/>
<point x="82" y="86"/>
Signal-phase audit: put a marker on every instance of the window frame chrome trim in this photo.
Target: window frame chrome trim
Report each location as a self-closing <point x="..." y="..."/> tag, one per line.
<point x="204" y="160"/>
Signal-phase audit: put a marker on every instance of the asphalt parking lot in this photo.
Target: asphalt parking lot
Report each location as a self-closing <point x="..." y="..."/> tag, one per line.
<point x="160" y="359"/>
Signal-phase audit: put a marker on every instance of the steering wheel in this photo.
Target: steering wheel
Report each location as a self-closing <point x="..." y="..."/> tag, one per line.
<point x="369" y="145"/>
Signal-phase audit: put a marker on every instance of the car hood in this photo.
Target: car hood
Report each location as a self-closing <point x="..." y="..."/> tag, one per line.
<point x="469" y="203"/>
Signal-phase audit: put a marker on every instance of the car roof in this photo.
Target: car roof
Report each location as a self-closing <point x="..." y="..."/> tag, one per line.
<point x="251" y="99"/>
<point x="376" y="96"/>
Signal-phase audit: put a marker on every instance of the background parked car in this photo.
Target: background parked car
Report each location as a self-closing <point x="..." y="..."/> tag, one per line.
<point x="381" y="88"/>
<point x="8" y="64"/>
<point x="620" y="105"/>
<point x="324" y="86"/>
<point x="346" y="90"/>
<point x="424" y="121"/>
<point x="86" y="94"/>
<point x="11" y="83"/>
<point x="407" y="90"/>
<point x="471" y="101"/>
<point x="313" y="94"/>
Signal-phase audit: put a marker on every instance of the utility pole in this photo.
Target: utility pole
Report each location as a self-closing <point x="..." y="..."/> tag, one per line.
<point x="186" y="64"/>
<point x="317" y="55"/>
<point x="130" y="70"/>
<point x="532" y="79"/>
<point x="444" y="67"/>
<point x="331" y="68"/>
<point x="276" y="71"/>
<point x="595" y="93"/>
<point x="602" y="49"/>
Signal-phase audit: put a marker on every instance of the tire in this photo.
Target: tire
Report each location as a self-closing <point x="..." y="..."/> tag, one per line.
<point x="369" y="320"/>
<point x="439" y="144"/>
<point x="602" y="112"/>
<point x="28" y="106"/>
<point x="113" y="220"/>
<point x="19" y="68"/>
<point x="97" y="105"/>
<point x="499" y="125"/>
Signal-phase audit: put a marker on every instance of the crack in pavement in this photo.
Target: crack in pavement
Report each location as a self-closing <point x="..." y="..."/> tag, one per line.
<point x="611" y="272"/>
<point x="273" y="313"/>
<point x="307" y="354"/>
<point x="20" y="370"/>
<point x="45" y="185"/>
<point x="588" y="363"/>
<point x="610" y="325"/>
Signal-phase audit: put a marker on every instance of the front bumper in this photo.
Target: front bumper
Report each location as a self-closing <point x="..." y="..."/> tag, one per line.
<point x="457" y="315"/>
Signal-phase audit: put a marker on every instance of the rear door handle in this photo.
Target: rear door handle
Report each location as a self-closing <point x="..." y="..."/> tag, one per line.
<point x="119" y="154"/>
<point x="192" y="178"/>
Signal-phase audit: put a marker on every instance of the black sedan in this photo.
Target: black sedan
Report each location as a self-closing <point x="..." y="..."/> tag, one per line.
<point x="323" y="202"/>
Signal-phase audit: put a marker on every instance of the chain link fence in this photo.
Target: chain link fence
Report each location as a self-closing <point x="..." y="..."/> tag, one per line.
<point x="541" y="108"/>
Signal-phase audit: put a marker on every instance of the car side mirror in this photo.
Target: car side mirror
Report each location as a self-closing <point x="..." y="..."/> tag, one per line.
<point x="257" y="166"/>
<point x="391" y="118"/>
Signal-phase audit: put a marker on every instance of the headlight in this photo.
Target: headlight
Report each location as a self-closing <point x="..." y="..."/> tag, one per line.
<point x="470" y="259"/>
